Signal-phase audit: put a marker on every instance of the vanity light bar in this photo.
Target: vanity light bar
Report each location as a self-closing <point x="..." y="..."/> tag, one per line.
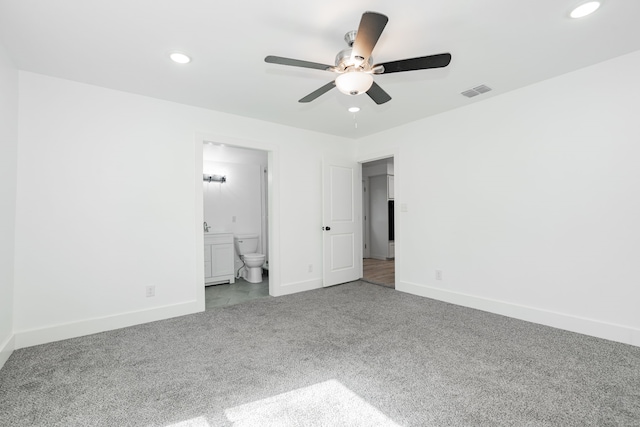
<point x="214" y="178"/>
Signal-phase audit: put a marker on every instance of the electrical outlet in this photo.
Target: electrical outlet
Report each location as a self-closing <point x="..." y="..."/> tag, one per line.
<point x="151" y="291"/>
<point x="310" y="268"/>
<point x="438" y="274"/>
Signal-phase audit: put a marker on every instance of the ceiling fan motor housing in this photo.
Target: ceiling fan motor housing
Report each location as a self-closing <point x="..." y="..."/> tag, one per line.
<point x="343" y="60"/>
<point x="350" y="37"/>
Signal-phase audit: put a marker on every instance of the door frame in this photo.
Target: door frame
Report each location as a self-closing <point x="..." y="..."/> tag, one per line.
<point x="273" y="201"/>
<point x="366" y="239"/>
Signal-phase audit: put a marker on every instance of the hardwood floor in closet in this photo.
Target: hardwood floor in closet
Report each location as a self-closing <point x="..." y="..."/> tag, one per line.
<point x="380" y="272"/>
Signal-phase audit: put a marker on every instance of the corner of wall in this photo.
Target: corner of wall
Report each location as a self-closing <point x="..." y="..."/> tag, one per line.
<point x="9" y="132"/>
<point x="6" y="348"/>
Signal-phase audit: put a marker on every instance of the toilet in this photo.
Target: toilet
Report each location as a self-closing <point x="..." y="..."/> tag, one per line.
<point x="246" y="247"/>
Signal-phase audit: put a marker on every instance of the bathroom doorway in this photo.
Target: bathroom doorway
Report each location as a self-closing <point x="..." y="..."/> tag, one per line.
<point x="235" y="203"/>
<point x="378" y="225"/>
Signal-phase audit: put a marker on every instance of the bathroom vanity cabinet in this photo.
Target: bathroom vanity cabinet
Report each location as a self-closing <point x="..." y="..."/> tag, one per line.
<point x="218" y="258"/>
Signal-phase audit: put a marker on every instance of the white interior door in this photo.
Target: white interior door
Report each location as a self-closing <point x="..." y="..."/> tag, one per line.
<point x="342" y="226"/>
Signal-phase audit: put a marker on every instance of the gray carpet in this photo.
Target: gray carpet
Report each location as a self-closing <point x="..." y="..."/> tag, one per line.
<point x="355" y="354"/>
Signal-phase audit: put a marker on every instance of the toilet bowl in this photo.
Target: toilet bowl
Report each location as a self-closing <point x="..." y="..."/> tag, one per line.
<point x="246" y="246"/>
<point x="253" y="267"/>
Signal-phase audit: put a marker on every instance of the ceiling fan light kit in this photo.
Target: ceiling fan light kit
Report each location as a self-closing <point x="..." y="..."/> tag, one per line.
<point x="354" y="82"/>
<point x="355" y="67"/>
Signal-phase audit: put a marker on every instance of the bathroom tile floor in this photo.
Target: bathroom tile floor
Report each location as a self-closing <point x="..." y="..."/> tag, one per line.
<point x="240" y="291"/>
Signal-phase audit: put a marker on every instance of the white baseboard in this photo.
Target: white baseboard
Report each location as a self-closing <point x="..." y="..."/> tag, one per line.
<point x="292" y="288"/>
<point x="6" y="348"/>
<point x="59" y="332"/>
<point x="581" y="325"/>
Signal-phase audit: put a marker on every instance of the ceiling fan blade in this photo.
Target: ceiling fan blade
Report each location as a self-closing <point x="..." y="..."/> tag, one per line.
<point x="316" y="93"/>
<point x="378" y="95"/>
<point x="369" y="31"/>
<point x="422" y="63"/>
<point x="296" y="63"/>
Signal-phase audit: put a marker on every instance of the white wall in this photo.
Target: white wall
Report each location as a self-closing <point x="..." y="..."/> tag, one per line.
<point x="8" y="165"/>
<point x="528" y="202"/>
<point x="108" y="201"/>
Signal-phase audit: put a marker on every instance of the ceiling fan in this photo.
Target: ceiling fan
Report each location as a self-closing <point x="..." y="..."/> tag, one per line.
<point x="355" y="64"/>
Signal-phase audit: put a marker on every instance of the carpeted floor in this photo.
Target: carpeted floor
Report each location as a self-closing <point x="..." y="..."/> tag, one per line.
<point x="355" y="354"/>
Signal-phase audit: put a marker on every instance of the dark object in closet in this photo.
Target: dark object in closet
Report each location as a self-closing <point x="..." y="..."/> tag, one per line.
<point x="391" y="233"/>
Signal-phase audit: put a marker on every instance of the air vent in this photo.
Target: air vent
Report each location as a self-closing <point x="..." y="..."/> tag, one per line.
<point x="482" y="89"/>
<point x="470" y="93"/>
<point x="478" y="90"/>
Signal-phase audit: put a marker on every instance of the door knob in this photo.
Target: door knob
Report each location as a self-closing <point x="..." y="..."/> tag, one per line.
<point x="326" y="228"/>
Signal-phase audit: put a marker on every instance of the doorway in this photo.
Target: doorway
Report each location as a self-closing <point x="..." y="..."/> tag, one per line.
<point x="235" y="204"/>
<point x="378" y="225"/>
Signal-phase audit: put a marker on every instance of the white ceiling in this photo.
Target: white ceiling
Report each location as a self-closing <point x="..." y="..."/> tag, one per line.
<point x="124" y="45"/>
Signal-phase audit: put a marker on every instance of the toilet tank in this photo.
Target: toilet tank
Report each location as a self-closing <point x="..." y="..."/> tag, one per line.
<point x="246" y="243"/>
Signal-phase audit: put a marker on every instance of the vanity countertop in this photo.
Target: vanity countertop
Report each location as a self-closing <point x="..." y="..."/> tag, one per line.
<point x="212" y="238"/>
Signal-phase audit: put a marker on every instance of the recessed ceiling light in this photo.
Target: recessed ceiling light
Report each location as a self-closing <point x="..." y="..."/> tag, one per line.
<point x="354" y="109"/>
<point x="180" y="58"/>
<point x="585" y="9"/>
